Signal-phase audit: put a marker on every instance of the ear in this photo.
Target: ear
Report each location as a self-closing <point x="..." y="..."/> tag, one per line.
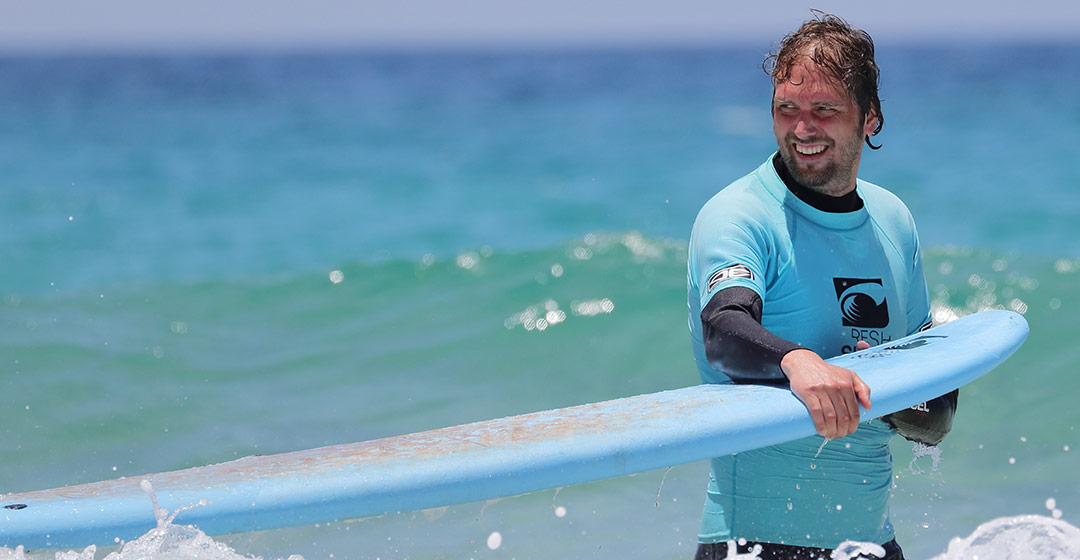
<point x="870" y="123"/>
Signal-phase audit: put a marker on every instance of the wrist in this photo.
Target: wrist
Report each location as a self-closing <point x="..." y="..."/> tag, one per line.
<point x="792" y="358"/>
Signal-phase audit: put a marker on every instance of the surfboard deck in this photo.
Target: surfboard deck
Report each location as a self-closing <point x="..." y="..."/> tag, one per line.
<point x="501" y="457"/>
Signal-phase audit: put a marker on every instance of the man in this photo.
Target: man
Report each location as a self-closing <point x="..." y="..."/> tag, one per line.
<point x="799" y="260"/>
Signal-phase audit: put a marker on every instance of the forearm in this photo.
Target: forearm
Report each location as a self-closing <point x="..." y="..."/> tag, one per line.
<point x="735" y="341"/>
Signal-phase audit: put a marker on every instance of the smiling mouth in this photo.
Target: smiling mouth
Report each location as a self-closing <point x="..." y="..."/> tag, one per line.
<point x="810" y="150"/>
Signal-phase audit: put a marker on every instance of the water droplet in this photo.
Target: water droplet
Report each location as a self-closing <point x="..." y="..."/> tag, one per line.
<point x="494" y="540"/>
<point x="337" y="276"/>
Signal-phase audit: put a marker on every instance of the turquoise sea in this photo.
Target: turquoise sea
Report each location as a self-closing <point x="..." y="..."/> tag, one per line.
<point x="207" y="257"/>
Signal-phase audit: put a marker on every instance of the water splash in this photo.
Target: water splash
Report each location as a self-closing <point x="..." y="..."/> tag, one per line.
<point x="164" y="542"/>
<point x="560" y="511"/>
<point x="852" y="550"/>
<point x="822" y="448"/>
<point x="171" y="541"/>
<point x="17" y="553"/>
<point x="920" y="450"/>
<point x="162" y="515"/>
<point x="1023" y="536"/>
<point x="661" y="487"/>
<point x="86" y="554"/>
<point x="1051" y="504"/>
<point x="733" y="551"/>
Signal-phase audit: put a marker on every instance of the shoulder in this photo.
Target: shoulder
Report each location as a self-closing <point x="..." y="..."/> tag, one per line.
<point x="884" y="206"/>
<point x="744" y="201"/>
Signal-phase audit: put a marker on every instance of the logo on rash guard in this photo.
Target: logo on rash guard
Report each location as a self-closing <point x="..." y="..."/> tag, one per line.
<point x="729" y="273"/>
<point x="862" y="302"/>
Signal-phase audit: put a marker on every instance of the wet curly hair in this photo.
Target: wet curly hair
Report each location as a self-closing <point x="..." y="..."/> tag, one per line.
<point x="842" y="51"/>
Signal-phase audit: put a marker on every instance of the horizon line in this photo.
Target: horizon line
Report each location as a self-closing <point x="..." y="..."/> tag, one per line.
<point x="451" y="45"/>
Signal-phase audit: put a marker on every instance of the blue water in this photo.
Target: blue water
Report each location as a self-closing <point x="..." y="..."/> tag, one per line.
<point x="169" y="228"/>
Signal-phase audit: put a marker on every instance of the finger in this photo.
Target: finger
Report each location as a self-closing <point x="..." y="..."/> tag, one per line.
<point x="844" y="402"/>
<point x="862" y="390"/>
<point x="852" y="402"/>
<point x="835" y="412"/>
<point x="862" y="345"/>
<point x="814" y="407"/>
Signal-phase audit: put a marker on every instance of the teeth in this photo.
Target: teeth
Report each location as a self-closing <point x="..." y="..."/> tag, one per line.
<point x="809" y="150"/>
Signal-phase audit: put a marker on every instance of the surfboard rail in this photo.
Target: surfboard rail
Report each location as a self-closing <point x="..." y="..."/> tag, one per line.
<point x="501" y="457"/>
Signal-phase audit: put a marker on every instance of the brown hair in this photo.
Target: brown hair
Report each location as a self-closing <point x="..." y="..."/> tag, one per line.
<point x="842" y="51"/>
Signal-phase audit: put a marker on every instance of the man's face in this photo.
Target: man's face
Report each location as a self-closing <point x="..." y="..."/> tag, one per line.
<point x="818" y="129"/>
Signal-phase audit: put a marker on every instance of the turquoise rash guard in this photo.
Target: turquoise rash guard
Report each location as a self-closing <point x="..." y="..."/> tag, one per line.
<point x="826" y="281"/>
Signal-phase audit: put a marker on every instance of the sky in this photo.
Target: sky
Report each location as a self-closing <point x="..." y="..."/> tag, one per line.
<point x="155" y="25"/>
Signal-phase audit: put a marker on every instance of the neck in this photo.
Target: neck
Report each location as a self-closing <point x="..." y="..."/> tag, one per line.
<point x="848" y="201"/>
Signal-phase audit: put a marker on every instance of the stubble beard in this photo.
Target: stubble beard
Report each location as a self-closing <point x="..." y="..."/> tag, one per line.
<point x="835" y="177"/>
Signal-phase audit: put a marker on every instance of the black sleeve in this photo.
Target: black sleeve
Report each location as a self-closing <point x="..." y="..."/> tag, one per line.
<point x="928" y="422"/>
<point x="735" y="342"/>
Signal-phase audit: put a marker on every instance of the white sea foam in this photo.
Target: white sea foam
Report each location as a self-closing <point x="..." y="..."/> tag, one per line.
<point x="1022" y="536"/>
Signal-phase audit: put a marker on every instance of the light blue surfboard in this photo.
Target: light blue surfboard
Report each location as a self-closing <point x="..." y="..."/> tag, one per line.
<point x="502" y="457"/>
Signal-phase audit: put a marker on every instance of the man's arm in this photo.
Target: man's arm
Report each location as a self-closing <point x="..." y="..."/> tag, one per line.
<point x="737" y="344"/>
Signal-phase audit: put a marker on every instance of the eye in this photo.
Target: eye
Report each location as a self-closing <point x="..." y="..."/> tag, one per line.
<point x="786" y="108"/>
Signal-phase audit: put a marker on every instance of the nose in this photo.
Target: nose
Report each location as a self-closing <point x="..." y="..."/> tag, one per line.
<point x="804" y="127"/>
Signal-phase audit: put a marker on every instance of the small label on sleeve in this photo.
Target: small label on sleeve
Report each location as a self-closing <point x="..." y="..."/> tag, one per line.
<point x="729" y="273"/>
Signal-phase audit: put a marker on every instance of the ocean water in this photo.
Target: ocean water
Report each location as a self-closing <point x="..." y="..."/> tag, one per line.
<point x="208" y="257"/>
